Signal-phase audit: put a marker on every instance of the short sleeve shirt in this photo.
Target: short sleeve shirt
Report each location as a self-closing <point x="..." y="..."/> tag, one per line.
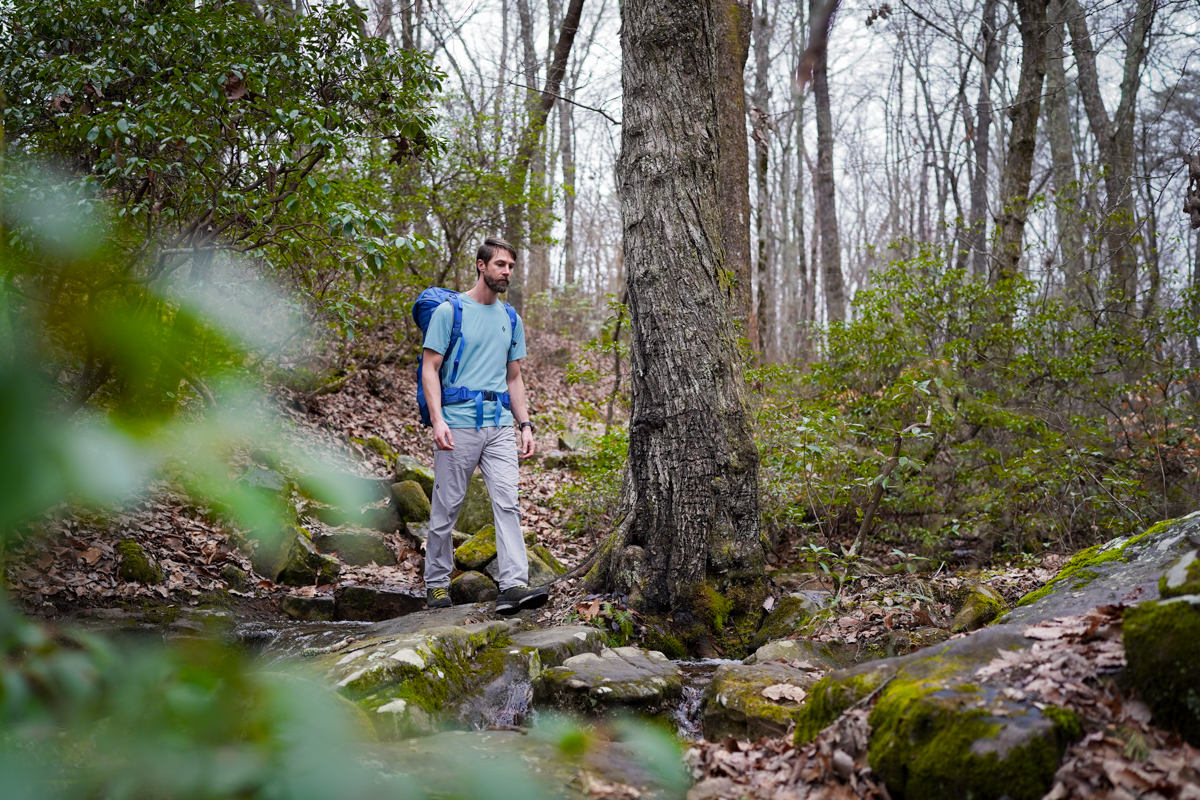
<point x="483" y="365"/>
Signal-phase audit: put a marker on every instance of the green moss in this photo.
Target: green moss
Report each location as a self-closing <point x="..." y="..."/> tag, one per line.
<point x="1066" y="721"/>
<point x="787" y="617"/>
<point x="1078" y="571"/>
<point x="548" y="558"/>
<point x="1183" y="577"/>
<point x="1162" y="648"/>
<point x="829" y="698"/>
<point x="982" y="606"/>
<point x="925" y="744"/>
<point x="478" y="551"/>
<point x="410" y="501"/>
<point x="136" y="566"/>
<point x="658" y="638"/>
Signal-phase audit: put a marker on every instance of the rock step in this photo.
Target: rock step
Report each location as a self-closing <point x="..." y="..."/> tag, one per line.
<point x="615" y="677"/>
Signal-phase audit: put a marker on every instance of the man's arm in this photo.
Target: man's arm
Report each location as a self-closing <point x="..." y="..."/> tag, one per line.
<point x="516" y="396"/>
<point x="431" y="379"/>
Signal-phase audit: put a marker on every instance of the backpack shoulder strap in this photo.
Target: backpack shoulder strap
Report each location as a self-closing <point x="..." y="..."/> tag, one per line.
<point x="512" y="325"/>
<point x="455" y="334"/>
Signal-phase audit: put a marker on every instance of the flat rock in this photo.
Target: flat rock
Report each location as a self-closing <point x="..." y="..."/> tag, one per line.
<point x="820" y="654"/>
<point x="734" y="703"/>
<point x="556" y="645"/>
<point x="370" y="604"/>
<point x="356" y="548"/>
<point x="622" y="676"/>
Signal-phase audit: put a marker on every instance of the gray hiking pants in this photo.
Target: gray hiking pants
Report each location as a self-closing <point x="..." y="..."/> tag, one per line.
<point x="494" y="451"/>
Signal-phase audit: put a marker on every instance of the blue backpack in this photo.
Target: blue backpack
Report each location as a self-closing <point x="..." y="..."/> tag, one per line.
<point x="422" y="311"/>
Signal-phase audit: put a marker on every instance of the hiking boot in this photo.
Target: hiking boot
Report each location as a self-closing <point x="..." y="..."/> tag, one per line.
<point x="521" y="598"/>
<point x="437" y="597"/>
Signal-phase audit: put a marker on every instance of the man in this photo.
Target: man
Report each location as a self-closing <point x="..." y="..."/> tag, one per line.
<point x="478" y="431"/>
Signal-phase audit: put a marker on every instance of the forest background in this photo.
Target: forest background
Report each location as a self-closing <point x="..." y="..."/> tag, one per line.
<point x="968" y="297"/>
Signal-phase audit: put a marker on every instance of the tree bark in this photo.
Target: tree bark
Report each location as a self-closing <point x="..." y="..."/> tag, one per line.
<point x="831" y="248"/>
<point x="1062" y="157"/>
<point x="566" y="144"/>
<point x="733" y="22"/>
<point x="1114" y="140"/>
<point x="693" y="464"/>
<point x="1022" y="142"/>
<point x="765" y="307"/>
<point x="977" y="224"/>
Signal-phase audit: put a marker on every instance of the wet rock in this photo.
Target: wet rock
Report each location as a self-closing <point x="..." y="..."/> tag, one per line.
<point x="1162" y="649"/>
<point x="1107" y="573"/>
<point x="1182" y="578"/>
<point x="136" y="564"/>
<point x="410" y="469"/>
<point x="308" y="609"/>
<point x="787" y="617"/>
<point x="623" y="676"/>
<point x="476" y="512"/>
<point x="408" y="674"/>
<point x="739" y="701"/>
<point x="556" y="645"/>
<point x="356" y="548"/>
<point x="369" y="604"/>
<point x="983" y="605"/>
<point x="410" y="502"/>
<point x="473" y="587"/>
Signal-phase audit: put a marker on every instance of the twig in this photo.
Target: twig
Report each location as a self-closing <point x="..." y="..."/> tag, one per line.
<point x="567" y="100"/>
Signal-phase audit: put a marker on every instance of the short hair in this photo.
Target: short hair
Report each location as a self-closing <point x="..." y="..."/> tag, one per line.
<point x="488" y="249"/>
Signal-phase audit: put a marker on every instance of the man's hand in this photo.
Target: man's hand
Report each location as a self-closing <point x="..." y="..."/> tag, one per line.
<point x="526" y="443"/>
<point x="441" y="435"/>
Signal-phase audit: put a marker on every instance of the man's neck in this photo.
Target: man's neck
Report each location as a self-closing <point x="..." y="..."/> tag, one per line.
<point x="481" y="293"/>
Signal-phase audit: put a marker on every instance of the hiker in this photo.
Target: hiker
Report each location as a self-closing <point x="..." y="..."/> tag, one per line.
<point x="471" y="407"/>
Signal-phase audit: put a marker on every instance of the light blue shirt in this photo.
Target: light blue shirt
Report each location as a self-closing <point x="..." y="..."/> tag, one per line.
<point x="485" y="356"/>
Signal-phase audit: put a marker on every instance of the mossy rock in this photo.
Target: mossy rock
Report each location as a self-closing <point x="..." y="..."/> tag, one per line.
<point x="901" y="643"/>
<point x="539" y="573"/>
<point x="410" y="469"/>
<point x="622" y="677"/>
<point x="734" y="705"/>
<point x="547" y="558"/>
<point x="136" y="564"/>
<point x="378" y="446"/>
<point x="476" y="511"/>
<point x="1106" y="573"/>
<point x="370" y="604"/>
<point x="825" y="655"/>
<point x="473" y="587"/>
<point x="1162" y="650"/>
<point x="788" y="616"/>
<point x="234" y="577"/>
<point x="308" y="609"/>
<point x="356" y="548"/>
<point x="411" y="503"/>
<point x="835" y="693"/>
<point x="302" y="565"/>
<point x="478" y="551"/>
<point x="1183" y="578"/>
<point x="982" y="606"/>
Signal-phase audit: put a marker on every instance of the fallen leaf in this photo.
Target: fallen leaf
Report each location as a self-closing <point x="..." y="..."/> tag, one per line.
<point x="784" y="691"/>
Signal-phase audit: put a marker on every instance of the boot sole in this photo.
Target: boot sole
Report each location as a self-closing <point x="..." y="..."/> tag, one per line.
<point x="526" y="603"/>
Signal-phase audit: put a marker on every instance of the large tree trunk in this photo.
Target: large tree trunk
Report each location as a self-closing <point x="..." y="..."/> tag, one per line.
<point x="977" y="226"/>
<point x="1114" y="140"/>
<point x="531" y="136"/>
<point x="733" y="169"/>
<point x="765" y="306"/>
<point x="692" y="524"/>
<point x="1022" y="142"/>
<point x="831" y="246"/>
<point x="1062" y="157"/>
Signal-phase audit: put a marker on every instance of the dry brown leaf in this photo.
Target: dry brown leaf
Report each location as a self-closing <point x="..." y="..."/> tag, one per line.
<point x="784" y="691"/>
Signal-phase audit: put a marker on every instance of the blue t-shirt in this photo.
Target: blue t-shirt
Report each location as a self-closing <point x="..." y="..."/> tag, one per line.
<point x="484" y="363"/>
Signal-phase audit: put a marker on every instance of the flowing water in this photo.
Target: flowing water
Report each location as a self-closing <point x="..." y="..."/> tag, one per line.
<point x="696" y="676"/>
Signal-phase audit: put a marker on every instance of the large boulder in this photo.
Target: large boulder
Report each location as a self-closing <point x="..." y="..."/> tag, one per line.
<point x="356" y="547"/>
<point x="480" y="550"/>
<point x="540" y="573"/>
<point x="410" y="502"/>
<point x="627" y="677"/>
<point x="1162" y="649"/>
<point x="410" y="469"/>
<point x="476" y="511"/>
<point x="749" y="701"/>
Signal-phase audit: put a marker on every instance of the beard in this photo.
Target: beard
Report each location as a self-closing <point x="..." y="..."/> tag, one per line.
<point x="497" y="285"/>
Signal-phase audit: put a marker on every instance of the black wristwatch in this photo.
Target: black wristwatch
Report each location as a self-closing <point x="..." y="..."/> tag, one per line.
<point x="527" y="425"/>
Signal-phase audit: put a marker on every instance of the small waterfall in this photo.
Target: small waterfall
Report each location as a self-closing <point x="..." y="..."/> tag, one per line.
<point x="696" y="676"/>
<point x="504" y="702"/>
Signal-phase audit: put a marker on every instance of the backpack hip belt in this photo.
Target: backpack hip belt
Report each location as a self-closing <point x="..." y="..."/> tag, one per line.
<point x="463" y="395"/>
